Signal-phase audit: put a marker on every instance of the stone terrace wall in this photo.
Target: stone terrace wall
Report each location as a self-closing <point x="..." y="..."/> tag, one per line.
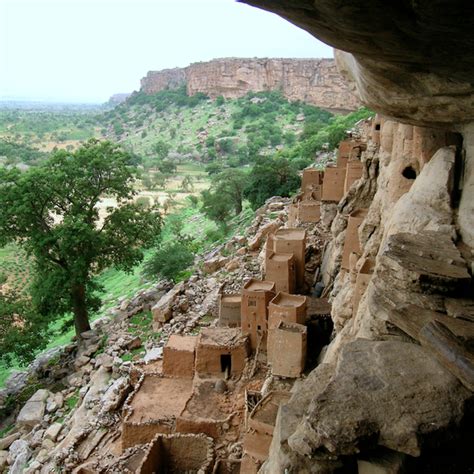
<point x="315" y="81"/>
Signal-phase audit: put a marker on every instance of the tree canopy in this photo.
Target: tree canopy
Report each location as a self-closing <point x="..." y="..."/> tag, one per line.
<point x="270" y="177"/>
<point x="22" y="330"/>
<point x="52" y="211"/>
<point x="225" y="194"/>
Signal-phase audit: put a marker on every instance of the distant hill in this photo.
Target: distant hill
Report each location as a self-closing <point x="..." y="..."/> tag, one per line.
<point x="201" y="129"/>
<point x="313" y="81"/>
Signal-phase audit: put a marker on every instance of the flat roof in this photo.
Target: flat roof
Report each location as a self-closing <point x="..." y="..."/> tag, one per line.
<point x="290" y="234"/>
<point x="182" y="343"/>
<point x="259" y="285"/>
<point x="288" y="300"/>
<point x="160" y="398"/>
<point x="221" y="337"/>
<point x="231" y="298"/>
<point x="281" y="257"/>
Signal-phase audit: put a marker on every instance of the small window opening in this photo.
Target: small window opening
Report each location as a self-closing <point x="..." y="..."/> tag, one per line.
<point x="252" y="303"/>
<point x="226" y="363"/>
<point x="377" y="126"/>
<point x="409" y="173"/>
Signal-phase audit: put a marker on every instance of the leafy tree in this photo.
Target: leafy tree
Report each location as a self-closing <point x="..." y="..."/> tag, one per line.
<point x="231" y="183"/>
<point x="217" y="208"/>
<point x="167" y="167"/>
<point x="187" y="184"/>
<point x="213" y="168"/>
<point x="270" y="177"/>
<point x="169" y="261"/>
<point x="172" y="256"/>
<point x="161" y="149"/>
<point x="51" y="211"/>
<point x="22" y="330"/>
<point x="225" y="195"/>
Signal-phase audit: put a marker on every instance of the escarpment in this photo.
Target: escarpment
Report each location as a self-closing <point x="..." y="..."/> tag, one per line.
<point x="314" y="81"/>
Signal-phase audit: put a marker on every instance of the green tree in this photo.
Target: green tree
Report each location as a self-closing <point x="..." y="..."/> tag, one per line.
<point x="167" y="167"/>
<point x="51" y="211"/>
<point x="225" y="195"/>
<point x="161" y="149"/>
<point x="22" y="330"/>
<point x="231" y="183"/>
<point x="217" y="208"/>
<point x="270" y="177"/>
<point x="187" y="183"/>
<point x="169" y="261"/>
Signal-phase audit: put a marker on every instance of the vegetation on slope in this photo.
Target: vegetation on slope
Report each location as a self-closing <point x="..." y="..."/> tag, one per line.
<point x="208" y="163"/>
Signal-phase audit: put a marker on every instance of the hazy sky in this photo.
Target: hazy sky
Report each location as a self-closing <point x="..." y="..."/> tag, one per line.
<point x="86" y="50"/>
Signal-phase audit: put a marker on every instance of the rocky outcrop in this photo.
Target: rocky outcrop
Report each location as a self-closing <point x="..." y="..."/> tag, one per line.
<point x="314" y="81"/>
<point x="156" y="81"/>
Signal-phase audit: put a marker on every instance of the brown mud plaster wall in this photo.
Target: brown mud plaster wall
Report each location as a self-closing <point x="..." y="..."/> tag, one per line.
<point x="179" y="453"/>
<point x="150" y="409"/>
<point x="221" y="352"/>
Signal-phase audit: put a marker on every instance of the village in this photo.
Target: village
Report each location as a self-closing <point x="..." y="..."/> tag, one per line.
<point x="209" y="388"/>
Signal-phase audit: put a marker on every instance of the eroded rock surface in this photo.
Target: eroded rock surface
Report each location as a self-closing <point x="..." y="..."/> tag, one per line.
<point x="381" y="394"/>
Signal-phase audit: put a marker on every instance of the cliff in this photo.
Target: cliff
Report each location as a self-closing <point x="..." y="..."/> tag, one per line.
<point x="156" y="81"/>
<point x="314" y="81"/>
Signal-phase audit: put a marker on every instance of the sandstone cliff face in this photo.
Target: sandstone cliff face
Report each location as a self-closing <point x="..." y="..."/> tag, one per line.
<point x="156" y="81"/>
<point x="314" y="81"/>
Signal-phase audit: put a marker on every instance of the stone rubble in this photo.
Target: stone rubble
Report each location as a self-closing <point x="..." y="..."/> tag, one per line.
<point x="48" y="433"/>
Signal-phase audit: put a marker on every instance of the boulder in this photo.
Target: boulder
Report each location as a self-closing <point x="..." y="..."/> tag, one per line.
<point x="33" y="411"/>
<point x="256" y="242"/>
<point x="81" y="361"/>
<point x="8" y="440"/>
<point x="163" y="310"/>
<point x="214" y="264"/>
<point x="19" y="455"/>
<point x="53" y="431"/>
<point x="234" y="264"/>
<point x="371" y="401"/>
<point x="104" y="360"/>
<point x="3" y="460"/>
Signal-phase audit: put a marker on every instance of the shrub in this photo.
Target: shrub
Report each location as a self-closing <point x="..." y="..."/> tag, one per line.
<point x="169" y="261"/>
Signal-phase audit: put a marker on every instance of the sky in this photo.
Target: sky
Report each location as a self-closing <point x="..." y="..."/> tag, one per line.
<point x="87" y="50"/>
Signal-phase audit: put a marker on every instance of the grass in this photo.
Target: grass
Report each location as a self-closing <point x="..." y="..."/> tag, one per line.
<point x="133" y="354"/>
<point x="71" y="402"/>
<point x="6" y="430"/>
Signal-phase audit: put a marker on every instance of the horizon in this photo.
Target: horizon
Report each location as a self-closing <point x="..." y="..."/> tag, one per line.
<point x="85" y="51"/>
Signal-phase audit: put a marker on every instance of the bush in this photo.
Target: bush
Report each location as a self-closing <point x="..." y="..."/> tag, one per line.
<point x="271" y="177"/>
<point x="143" y="201"/>
<point x="169" y="261"/>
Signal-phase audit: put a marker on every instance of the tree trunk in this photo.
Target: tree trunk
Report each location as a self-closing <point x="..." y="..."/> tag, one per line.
<point x="238" y="206"/>
<point x="81" y="317"/>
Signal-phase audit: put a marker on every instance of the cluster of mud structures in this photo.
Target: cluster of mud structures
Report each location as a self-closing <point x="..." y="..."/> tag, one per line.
<point x="211" y="404"/>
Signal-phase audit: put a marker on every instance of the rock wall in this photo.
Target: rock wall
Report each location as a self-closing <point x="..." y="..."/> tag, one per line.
<point x="156" y="81"/>
<point x="314" y="81"/>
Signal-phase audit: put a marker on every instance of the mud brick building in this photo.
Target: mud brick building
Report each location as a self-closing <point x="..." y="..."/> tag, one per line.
<point x="256" y="296"/>
<point x="293" y="241"/>
<point x="280" y="268"/>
